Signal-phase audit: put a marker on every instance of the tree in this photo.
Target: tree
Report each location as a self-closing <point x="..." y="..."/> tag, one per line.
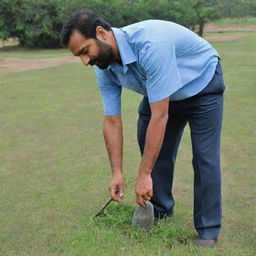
<point x="8" y="18"/>
<point x="37" y="23"/>
<point x="205" y="10"/>
<point x="237" y="8"/>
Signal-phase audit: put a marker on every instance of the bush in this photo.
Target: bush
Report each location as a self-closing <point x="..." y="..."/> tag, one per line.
<point x="37" y="23"/>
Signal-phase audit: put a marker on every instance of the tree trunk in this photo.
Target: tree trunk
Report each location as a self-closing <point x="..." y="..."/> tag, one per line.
<point x="201" y="28"/>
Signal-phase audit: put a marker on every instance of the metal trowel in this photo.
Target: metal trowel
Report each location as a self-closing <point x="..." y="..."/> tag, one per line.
<point x="144" y="217"/>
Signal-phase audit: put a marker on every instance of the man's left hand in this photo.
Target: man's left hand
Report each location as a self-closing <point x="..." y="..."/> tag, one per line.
<point x="143" y="188"/>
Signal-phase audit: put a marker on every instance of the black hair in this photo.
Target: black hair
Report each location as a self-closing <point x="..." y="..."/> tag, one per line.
<point x="85" y="21"/>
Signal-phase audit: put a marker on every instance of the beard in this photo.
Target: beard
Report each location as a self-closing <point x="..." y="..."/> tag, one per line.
<point x="104" y="57"/>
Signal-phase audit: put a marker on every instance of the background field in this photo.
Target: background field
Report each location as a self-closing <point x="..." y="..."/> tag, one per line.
<point x="54" y="168"/>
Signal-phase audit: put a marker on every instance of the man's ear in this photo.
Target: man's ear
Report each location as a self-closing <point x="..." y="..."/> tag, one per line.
<point x="101" y="33"/>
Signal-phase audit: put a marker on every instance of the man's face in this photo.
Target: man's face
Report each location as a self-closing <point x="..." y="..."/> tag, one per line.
<point x="91" y="51"/>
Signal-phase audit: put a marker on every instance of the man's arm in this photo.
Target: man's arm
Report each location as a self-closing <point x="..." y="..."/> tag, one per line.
<point x="154" y="139"/>
<point x="113" y="135"/>
<point x="159" y="63"/>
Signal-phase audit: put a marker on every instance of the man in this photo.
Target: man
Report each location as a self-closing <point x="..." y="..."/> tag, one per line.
<point x="180" y="77"/>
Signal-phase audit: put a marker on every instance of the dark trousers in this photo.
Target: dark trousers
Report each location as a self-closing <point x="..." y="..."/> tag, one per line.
<point x="203" y="113"/>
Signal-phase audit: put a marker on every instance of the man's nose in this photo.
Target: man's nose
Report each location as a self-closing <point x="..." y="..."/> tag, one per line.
<point x="85" y="60"/>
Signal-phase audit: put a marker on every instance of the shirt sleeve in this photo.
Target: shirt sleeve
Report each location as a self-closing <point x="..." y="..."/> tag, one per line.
<point x="158" y="61"/>
<point x="110" y="92"/>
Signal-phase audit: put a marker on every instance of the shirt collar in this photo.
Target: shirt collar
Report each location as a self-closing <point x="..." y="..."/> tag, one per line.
<point x="125" y="51"/>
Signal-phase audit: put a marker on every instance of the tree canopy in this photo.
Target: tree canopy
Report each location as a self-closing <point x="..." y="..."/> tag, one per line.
<point x="37" y="23"/>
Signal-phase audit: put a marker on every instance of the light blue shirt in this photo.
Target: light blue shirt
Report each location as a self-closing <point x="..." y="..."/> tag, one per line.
<point x="160" y="59"/>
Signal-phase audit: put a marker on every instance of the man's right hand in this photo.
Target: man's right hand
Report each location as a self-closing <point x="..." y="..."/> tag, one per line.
<point x="116" y="187"/>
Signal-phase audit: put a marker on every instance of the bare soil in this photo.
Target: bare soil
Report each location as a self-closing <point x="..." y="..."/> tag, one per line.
<point x="8" y="65"/>
<point x="220" y="28"/>
<point x="12" y="41"/>
<point x="222" y="38"/>
<point x="212" y="27"/>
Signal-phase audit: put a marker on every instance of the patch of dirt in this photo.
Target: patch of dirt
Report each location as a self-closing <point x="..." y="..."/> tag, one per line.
<point x="212" y="27"/>
<point x="222" y="38"/>
<point x="8" y="65"/>
<point x="220" y="28"/>
<point x="9" y="42"/>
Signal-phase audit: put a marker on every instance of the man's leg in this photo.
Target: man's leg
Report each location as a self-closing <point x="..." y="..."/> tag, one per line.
<point x="205" y="120"/>
<point x="162" y="173"/>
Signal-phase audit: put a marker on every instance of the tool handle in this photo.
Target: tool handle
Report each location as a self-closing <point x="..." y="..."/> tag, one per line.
<point x="103" y="207"/>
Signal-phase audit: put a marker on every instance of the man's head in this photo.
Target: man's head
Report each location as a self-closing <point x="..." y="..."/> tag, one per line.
<point x="88" y="36"/>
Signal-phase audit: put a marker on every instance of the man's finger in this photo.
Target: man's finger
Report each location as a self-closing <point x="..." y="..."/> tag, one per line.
<point x="140" y="201"/>
<point x="121" y="191"/>
<point x="149" y="194"/>
<point x="113" y="194"/>
<point x="118" y="197"/>
<point x="146" y="197"/>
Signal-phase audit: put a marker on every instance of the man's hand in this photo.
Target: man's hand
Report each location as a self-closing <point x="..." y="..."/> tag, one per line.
<point x="143" y="188"/>
<point x="153" y="143"/>
<point x="116" y="187"/>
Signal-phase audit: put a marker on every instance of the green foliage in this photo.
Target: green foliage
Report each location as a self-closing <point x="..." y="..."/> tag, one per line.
<point x="238" y="8"/>
<point x="37" y="23"/>
<point x="206" y="10"/>
<point x="7" y="17"/>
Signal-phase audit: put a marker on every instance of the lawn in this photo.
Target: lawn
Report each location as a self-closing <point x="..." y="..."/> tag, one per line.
<point x="17" y="52"/>
<point x="54" y="168"/>
<point x="237" y="21"/>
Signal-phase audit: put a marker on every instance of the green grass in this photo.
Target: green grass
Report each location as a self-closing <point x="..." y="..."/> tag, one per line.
<point x="19" y="52"/>
<point x="54" y="168"/>
<point x="226" y="33"/>
<point x="237" y="21"/>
